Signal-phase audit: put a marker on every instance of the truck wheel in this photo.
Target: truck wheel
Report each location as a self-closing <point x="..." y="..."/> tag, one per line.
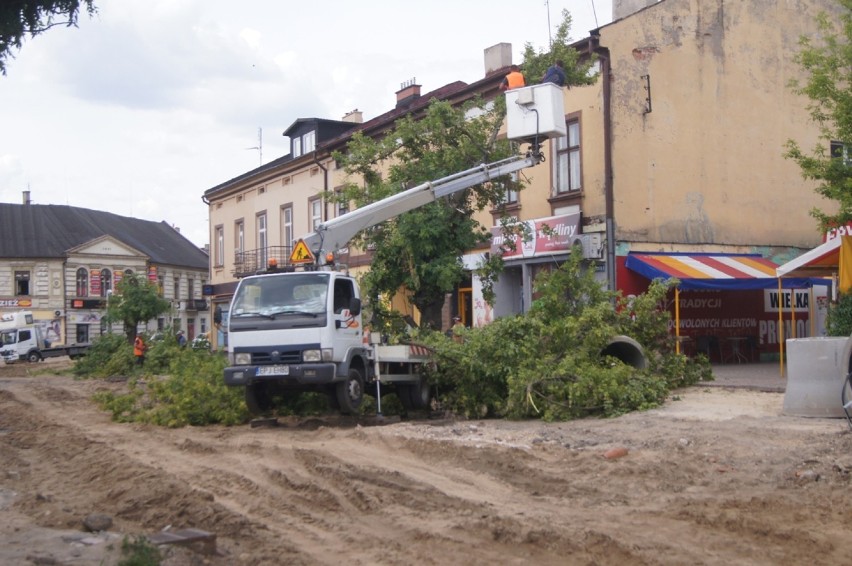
<point x="33" y="357"/>
<point x="415" y="397"/>
<point x="258" y="399"/>
<point x="350" y="393"/>
<point x="421" y="394"/>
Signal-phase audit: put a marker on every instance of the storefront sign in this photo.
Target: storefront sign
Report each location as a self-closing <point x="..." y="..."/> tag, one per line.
<point x="551" y="235"/>
<point x="838" y="231"/>
<point x="16" y="303"/>
<point x="771" y="301"/>
<point x="95" y="282"/>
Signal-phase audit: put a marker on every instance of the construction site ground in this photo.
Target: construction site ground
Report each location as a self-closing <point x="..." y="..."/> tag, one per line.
<point x="718" y="475"/>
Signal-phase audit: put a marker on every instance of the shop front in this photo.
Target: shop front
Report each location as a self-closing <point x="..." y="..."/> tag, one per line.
<point x="729" y="307"/>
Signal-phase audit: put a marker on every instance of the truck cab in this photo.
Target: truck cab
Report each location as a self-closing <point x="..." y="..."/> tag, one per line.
<point x="297" y="331"/>
<point x="20" y="338"/>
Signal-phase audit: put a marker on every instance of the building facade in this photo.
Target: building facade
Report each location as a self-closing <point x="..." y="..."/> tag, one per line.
<point x="677" y="147"/>
<point x="62" y="263"/>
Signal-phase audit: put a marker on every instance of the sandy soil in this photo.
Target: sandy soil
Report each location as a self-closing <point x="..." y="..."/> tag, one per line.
<point x="715" y="476"/>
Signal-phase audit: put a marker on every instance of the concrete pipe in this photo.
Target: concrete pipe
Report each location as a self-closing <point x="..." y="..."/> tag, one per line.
<point x="627" y="350"/>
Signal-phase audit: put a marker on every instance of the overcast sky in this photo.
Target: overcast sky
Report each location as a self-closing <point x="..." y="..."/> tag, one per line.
<point x="152" y="102"/>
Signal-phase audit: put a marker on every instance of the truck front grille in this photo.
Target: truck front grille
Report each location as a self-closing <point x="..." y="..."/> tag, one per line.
<point x="276" y="357"/>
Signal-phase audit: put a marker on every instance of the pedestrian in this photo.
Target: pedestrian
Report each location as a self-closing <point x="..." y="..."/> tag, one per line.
<point x="139" y="348"/>
<point x="515" y="79"/>
<point x="555" y="74"/>
<point x="181" y="338"/>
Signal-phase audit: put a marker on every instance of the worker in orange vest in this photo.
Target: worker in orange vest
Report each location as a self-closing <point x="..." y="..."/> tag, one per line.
<point x="515" y="79"/>
<point x="139" y="348"/>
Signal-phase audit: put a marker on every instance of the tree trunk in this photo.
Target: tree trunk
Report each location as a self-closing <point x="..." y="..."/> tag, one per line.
<point x="430" y="315"/>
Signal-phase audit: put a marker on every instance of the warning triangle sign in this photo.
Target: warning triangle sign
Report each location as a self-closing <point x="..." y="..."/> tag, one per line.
<point x="301" y="253"/>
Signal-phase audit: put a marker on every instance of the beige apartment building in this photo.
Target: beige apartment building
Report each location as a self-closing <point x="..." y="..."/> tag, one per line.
<point x="677" y="147"/>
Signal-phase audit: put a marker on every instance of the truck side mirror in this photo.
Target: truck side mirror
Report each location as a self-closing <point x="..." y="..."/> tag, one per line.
<point x="354" y="306"/>
<point x="217" y="315"/>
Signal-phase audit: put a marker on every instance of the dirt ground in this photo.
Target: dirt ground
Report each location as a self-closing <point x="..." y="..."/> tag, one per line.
<point x="716" y="476"/>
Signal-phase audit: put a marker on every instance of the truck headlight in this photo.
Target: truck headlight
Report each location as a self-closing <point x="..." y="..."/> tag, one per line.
<point x="242" y="359"/>
<point x="313" y="356"/>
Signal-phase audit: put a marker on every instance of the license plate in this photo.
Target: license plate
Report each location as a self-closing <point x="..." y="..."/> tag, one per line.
<point x="273" y="370"/>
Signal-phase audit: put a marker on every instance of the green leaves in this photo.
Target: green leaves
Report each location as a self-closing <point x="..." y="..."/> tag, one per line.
<point x="420" y="250"/>
<point x="136" y="300"/>
<point x="827" y="64"/>
<point x="548" y="363"/>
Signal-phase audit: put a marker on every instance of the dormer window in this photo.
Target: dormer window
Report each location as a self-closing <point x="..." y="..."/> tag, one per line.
<point x="305" y="143"/>
<point x="309" y="141"/>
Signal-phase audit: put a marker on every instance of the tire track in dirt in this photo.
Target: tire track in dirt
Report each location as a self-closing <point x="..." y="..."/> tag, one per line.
<point x="767" y="490"/>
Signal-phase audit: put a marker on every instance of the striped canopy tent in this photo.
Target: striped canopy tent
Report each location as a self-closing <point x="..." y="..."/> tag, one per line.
<point x="731" y="272"/>
<point x="711" y="271"/>
<point x="833" y="258"/>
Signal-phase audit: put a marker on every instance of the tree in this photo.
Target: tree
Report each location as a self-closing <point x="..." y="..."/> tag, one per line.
<point x="19" y="18"/>
<point x="136" y="300"/>
<point x="576" y="69"/>
<point x="827" y="62"/>
<point x="420" y="250"/>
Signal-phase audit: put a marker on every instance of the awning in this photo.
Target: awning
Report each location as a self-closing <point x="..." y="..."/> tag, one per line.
<point x="712" y="271"/>
<point x="832" y="257"/>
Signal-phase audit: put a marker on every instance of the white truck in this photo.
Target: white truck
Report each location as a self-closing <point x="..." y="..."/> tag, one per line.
<point x="22" y="340"/>
<point x="302" y="330"/>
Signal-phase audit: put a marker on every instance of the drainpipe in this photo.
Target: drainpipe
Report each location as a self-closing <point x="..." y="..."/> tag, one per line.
<point x="324" y="184"/>
<point x="606" y="76"/>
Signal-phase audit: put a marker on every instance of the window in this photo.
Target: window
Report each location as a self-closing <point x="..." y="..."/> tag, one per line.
<point x="840" y="150"/>
<point x="341" y="205"/>
<point x="287" y="226"/>
<point x="177" y="288"/>
<point x="316" y="213"/>
<point x="106" y="282"/>
<point x="82" y="282"/>
<point x="240" y="235"/>
<point x="190" y="289"/>
<point x="262" y="242"/>
<point x="567" y="177"/>
<point x="510" y="194"/>
<point x="297" y="147"/>
<point x="343" y="293"/>
<point x="219" y="256"/>
<point x="22" y="282"/>
<point x="309" y="142"/>
<point x="161" y="286"/>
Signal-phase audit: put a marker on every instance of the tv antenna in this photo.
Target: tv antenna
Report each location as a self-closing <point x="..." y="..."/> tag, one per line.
<point x="259" y="146"/>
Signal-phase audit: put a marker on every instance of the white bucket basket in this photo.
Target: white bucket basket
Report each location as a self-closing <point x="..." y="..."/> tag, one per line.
<point x="536" y="111"/>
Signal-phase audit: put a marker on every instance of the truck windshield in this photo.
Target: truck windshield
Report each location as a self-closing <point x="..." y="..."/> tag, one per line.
<point x="8" y="337"/>
<point x="272" y="295"/>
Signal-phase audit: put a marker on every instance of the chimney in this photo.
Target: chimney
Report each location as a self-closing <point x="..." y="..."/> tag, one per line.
<point x="409" y="92"/>
<point x="497" y="57"/>
<point x="624" y="8"/>
<point x="354" y="117"/>
<point x="27" y="197"/>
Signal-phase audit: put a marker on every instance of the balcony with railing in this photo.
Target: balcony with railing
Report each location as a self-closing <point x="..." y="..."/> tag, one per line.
<point x="251" y="262"/>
